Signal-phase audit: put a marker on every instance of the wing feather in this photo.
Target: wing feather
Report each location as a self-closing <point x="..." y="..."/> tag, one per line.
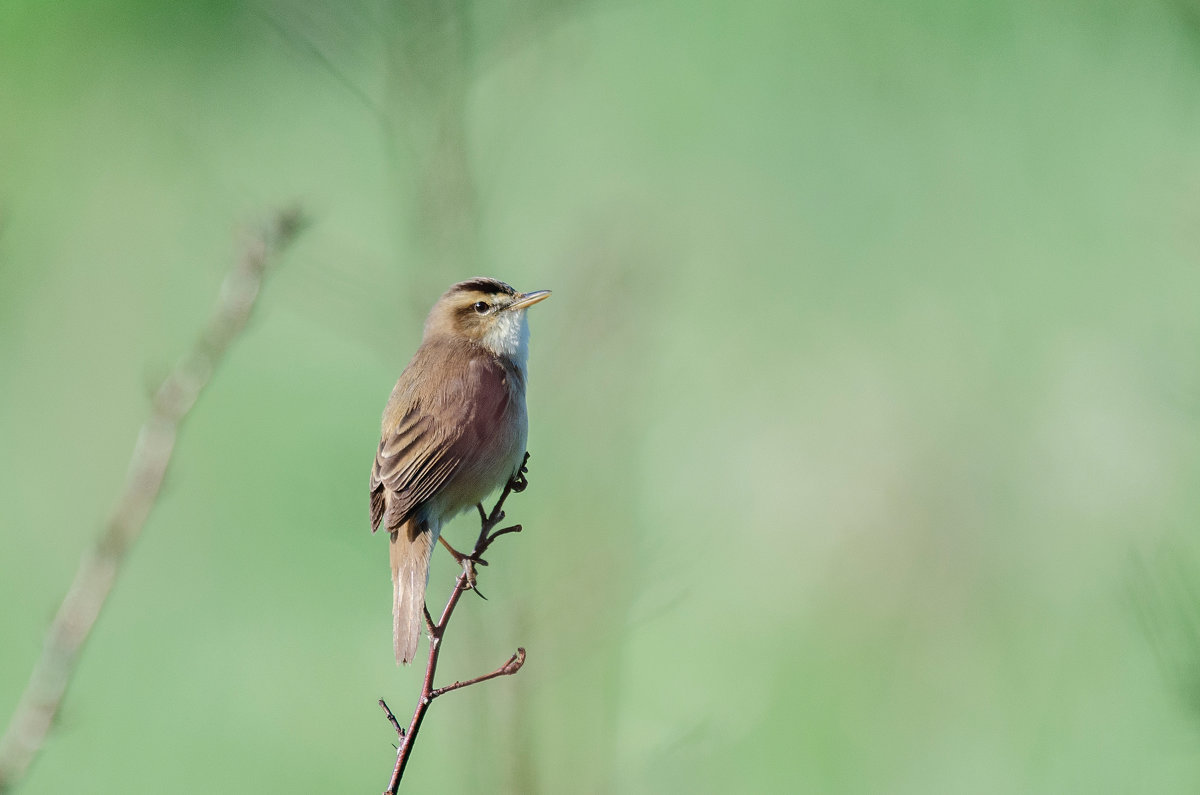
<point x="426" y="448"/>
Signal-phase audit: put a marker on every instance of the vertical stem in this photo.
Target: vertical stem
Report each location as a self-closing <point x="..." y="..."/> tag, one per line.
<point x="438" y="630"/>
<point x="435" y="649"/>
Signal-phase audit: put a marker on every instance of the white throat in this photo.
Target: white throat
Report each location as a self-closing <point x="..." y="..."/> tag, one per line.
<point x="509" y="337"/>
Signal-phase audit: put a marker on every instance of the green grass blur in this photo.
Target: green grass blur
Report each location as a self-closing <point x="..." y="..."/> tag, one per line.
<point x="864" y="417"/>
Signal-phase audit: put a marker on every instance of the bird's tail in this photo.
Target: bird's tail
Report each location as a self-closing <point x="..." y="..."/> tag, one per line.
<point x="410" y="549"/>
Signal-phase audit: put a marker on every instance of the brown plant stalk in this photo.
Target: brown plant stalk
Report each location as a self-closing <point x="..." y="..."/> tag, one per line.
<point x="40" y="703"/>
<point x="437" y="631"/>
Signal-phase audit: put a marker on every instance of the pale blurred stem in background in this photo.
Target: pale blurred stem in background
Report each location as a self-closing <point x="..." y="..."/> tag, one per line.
<point x="464" y="583"/>
<point x="419" y="98"/>
<point x="174" y="399"/>
<point x="429" y="66"/>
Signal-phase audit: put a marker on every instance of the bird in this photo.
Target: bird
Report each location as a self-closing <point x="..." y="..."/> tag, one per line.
<point x="454" y="430"/>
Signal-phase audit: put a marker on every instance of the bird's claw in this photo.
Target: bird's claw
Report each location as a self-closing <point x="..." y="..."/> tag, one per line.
<point x="519" y="482"/>
<point x="468" y="563"/>
<point x="468" y="567"/>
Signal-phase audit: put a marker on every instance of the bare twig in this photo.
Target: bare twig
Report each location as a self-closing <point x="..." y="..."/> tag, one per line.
<point x="508" y="669"/>
<point x="40" y="703"/>
<point x="464" y="582"/>
<point x="392" y="718"/>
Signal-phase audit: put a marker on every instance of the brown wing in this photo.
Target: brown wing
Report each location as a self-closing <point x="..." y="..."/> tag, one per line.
<point x="437" y="431"/>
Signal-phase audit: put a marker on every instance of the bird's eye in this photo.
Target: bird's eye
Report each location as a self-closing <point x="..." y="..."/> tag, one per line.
<point x="482" y="306"/>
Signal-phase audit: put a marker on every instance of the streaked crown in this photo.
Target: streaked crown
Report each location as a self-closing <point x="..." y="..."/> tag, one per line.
<point x="486" y="311"/>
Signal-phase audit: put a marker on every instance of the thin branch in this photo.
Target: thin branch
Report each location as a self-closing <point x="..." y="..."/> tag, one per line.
<point x="464" y="583"/>
<point x="392" y="718"/>
<point x="508" y="669"/>
<point x="40" y="703"/>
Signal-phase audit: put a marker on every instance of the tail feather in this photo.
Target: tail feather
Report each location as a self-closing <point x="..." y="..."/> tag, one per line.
<point x="410" y="549"/>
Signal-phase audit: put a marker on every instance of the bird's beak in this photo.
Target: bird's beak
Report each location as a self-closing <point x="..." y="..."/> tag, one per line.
<point x="529" y="299"/>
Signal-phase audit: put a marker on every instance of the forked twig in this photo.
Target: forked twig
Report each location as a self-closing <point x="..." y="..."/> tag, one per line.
<point x="465" y="582"/>
<point x="40" y="703"/>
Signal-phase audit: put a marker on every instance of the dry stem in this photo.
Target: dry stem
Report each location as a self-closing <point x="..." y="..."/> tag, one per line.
<point x="40" y="703"/>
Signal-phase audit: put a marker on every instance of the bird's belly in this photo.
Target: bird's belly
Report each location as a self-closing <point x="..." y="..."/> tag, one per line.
<point x="489" y="469"/>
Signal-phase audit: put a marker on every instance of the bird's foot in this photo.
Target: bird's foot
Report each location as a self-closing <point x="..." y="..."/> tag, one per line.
<point x="468" y="563"/>
<point x="520" y="481"/>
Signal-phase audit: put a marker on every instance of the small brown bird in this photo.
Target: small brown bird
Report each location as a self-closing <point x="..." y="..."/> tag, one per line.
<point x="454" y="430"/>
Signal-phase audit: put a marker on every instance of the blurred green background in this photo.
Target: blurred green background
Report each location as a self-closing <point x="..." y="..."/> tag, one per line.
<point x="864" y="415"/>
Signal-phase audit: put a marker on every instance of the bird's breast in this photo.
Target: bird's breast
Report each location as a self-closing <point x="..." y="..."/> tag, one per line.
<point x="492" y="443"/>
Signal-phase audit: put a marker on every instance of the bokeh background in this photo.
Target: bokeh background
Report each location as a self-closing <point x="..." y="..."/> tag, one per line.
<point x="864" y="414"/>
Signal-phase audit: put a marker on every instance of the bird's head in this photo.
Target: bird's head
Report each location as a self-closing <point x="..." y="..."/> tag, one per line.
<point x="485" y="311"/>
